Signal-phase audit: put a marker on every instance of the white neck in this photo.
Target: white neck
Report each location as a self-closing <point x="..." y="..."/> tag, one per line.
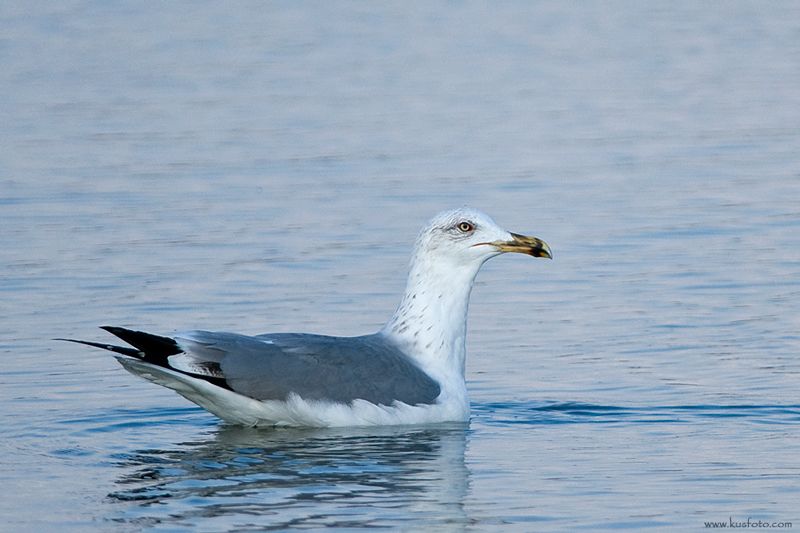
<point x="430" y="323"/>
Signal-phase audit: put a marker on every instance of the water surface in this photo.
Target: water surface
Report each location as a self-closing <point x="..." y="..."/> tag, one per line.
<point x="260" y="168"/>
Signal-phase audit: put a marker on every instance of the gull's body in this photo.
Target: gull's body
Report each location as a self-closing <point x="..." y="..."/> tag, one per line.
<point x="410" y="372"/>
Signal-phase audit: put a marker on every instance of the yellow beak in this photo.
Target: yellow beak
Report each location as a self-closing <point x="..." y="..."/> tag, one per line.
<point x="523" y="244"/>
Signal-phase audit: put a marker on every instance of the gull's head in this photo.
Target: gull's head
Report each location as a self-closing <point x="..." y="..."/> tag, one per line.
<point x="448" y="255"/>
<point x="466" y="238"/>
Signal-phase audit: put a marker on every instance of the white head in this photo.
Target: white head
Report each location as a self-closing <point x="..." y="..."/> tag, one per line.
<point x="430" y="322"/>
<point x="466" y="238"/>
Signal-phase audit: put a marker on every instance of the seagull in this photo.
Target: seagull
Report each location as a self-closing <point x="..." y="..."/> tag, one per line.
<point x="409" y="372"/>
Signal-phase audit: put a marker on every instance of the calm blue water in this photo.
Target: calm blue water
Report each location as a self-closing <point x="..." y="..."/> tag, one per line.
<point x="265" y="167"/>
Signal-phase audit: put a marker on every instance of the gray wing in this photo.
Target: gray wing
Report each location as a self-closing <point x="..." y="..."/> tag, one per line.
<point x="315" y="367"/>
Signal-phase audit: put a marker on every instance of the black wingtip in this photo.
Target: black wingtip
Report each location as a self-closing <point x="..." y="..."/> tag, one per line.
<point x="110" y="347"/>
<point x="149" y="348"/>
<point x="155" y="348"/>
<point x="146" y="346"/>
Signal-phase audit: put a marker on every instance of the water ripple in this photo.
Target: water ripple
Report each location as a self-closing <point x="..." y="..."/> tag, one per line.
<point x="505" y="413"/>
<point x="300" y="477"/>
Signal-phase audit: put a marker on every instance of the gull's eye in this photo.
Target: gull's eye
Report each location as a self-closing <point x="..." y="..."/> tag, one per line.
<point x="465" y="227"/>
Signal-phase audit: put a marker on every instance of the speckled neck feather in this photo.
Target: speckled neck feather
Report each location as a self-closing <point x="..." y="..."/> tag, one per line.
<point x="431" y="321"/>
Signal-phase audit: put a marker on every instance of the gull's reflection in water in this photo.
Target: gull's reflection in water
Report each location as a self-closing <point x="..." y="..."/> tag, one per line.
<point x="244" y="479"/>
